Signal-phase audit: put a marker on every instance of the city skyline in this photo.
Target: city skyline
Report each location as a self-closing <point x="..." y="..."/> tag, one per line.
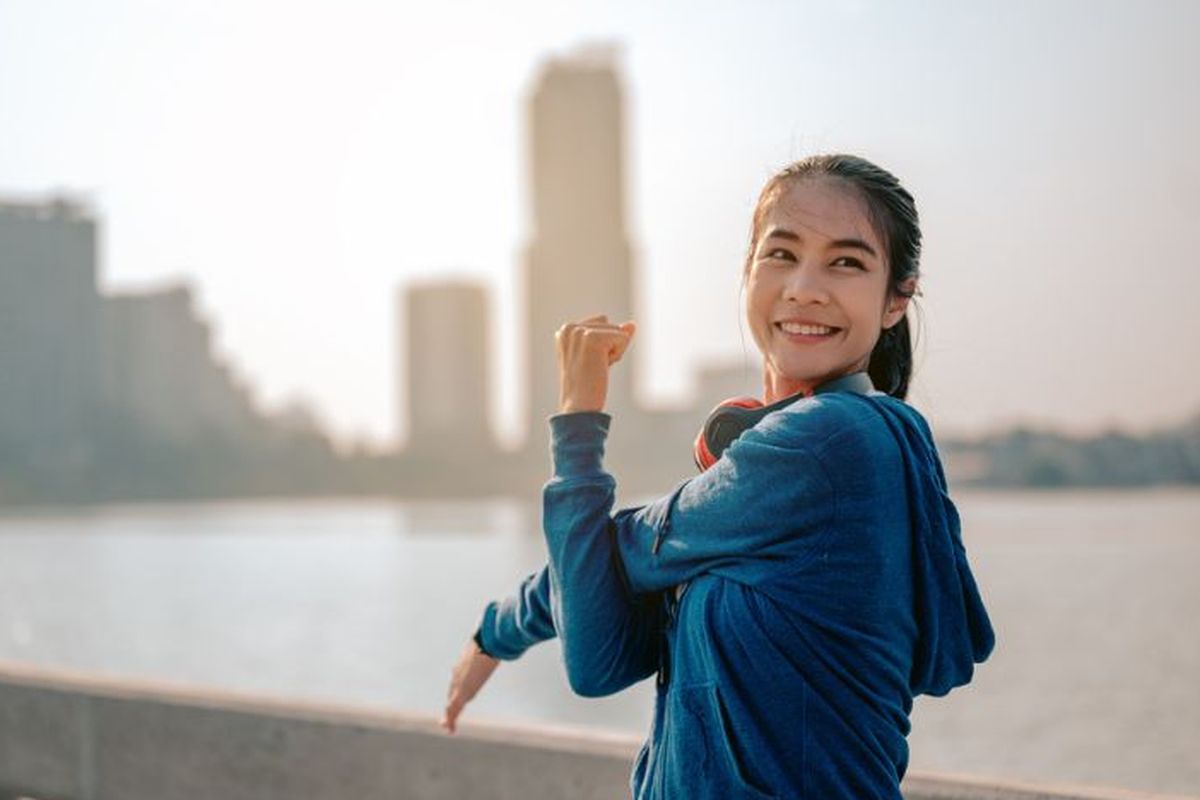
<point x="120" y="395"/>
<point x="1052" y="172"/>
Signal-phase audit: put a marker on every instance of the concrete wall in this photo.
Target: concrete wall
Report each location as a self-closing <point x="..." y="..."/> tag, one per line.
<point x="67" y="736"/>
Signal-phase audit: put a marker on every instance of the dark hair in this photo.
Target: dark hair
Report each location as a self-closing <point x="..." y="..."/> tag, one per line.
<point x="894" y="215"/>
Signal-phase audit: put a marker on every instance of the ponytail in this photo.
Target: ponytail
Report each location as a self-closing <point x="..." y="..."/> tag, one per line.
<point x="891" y="362"/>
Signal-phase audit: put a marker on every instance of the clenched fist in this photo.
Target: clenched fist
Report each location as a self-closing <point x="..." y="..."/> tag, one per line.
<point x="586" y="349"/>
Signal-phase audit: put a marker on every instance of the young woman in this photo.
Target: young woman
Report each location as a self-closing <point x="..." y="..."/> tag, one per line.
<point x="793" y="598"/>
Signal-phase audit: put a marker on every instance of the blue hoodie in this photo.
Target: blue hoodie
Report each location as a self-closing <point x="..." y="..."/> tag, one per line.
<point x="792" y="600"/>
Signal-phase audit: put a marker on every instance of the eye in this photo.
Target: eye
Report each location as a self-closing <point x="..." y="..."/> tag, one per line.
<point x="778" y="253"/>
<point x="847" y="261"/>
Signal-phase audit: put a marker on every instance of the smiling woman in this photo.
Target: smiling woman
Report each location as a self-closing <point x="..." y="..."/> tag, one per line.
<point x="794" y="597"/>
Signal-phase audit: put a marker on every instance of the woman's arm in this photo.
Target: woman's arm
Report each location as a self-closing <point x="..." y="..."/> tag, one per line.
<point x="740" y="510"/>
<point x="756" y="503"/>
<point x="512" y="625"/>
<point x="767" y="499"/>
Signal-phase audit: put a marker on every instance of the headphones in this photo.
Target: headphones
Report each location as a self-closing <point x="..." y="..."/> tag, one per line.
<point x="733" y="417"/>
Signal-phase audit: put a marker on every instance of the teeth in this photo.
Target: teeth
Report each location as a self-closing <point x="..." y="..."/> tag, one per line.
<point x="810" y="330"/>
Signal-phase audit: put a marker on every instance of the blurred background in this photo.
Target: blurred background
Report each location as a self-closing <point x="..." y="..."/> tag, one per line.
<point x="278" y="286"/>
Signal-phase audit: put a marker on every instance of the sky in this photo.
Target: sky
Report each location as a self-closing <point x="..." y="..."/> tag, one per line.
<point x="298" y="164"/>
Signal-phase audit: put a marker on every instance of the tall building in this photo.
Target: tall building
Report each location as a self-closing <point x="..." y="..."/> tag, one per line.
<point x="578" y="262"/>
<point x="160" y="372"/>
<point x="49" y="318"/>
<point x="448" y="372"/>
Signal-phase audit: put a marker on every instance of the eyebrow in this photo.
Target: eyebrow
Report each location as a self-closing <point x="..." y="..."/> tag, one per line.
<point x="853" y="244"/>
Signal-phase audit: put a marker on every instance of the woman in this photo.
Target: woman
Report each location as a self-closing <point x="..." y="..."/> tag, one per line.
<point x="794" y="597"/>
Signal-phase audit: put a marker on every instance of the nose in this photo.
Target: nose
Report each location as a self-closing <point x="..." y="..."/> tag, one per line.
<point x="805" y="284"/>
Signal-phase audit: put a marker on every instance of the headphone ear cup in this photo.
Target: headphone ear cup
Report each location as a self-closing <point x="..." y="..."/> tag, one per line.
<point x="725" y="423"/>
<point x="701" y="454"/>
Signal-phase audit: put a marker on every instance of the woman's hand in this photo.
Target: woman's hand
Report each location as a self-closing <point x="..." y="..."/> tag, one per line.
<point x="471" y="672"/>
<point x="586" y="350"/>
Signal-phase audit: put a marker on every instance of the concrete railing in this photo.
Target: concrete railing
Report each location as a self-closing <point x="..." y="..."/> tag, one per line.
<point x="68" y="736"/>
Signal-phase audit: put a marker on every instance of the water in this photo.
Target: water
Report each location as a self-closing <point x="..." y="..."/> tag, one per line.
<point x="1094" y="598"/>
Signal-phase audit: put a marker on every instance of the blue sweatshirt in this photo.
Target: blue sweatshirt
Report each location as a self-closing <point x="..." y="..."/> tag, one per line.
<point x="792" y="600"/>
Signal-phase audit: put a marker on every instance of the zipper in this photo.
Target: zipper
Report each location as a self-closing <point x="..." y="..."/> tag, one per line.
<point x="664" y="647"/>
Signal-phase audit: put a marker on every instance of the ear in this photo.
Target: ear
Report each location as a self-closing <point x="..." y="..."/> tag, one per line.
<point x="898" y="303"/>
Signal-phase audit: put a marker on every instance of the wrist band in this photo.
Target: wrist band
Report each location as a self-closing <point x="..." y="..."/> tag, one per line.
<point x="478" y="639"/>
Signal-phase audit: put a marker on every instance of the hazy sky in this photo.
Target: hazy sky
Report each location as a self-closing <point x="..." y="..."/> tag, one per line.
<point x="300" y="162"/>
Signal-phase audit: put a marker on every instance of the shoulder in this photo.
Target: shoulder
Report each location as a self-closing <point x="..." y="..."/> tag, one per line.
<point x="842" y="425"/>
<point x="821" y="416"/>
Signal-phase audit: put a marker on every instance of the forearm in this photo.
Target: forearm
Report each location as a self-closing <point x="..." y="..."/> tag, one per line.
<point x="512" y="625"/>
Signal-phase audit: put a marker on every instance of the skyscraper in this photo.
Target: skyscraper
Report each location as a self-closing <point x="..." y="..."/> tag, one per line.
<point x="160" y="370"/>
<point x="578" y="262"/>
<point x="49" y="326"/>
<point x="448" y="372"/>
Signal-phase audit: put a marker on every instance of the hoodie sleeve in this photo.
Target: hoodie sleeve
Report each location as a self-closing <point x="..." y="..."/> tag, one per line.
<point x="604" y="658"/>
<point x="609" y="632"/>
<point x="766" y="498"/>
<point x="514" y="624"/>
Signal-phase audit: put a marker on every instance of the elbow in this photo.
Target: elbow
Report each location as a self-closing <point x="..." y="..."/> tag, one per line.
<point x="594" y="677"/>
<point x="597" y="667"/>
<point x="596" y="680"/>
<point x="586" y="683"/>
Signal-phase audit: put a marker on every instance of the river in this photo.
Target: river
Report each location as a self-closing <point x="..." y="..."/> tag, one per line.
<point x="1095" y="598"/>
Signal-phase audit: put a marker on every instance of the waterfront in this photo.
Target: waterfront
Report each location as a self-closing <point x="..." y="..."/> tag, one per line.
<point x="1093" y="596"/>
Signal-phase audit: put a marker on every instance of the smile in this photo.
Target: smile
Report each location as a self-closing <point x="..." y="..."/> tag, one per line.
<point x="801" y="332"/>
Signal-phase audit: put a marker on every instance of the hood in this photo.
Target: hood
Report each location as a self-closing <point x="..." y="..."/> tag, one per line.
<point x="954" y="631"/>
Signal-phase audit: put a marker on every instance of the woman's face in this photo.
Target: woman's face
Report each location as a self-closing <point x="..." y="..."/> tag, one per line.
<point x="816" y="296"/>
